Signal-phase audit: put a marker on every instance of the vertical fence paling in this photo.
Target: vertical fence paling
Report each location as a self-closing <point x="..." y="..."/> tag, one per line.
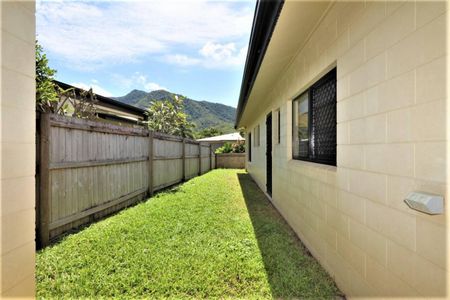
<point x="210" y="157"/>
<point x="44" y="181"/>
<point x="183" y="153"/>
<point x="150" y="163"/>
<point x="199" y="159"/>
<point x="88" y="169"/>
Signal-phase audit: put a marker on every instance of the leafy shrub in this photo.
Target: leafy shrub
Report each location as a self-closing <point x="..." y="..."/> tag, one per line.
<point x="238" y="148"/>
<point x="46" y="96"/>
<point x="231" y="148"/>
<point x="226" y="148"/>
<point x="50" y="98"/>
<point x="208" y="132"/>
<point x="168" y="117"/>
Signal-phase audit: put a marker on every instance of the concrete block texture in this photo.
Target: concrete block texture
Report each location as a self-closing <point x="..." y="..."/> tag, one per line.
<point x="392" y="138"/>
<point x="17" y="149"/>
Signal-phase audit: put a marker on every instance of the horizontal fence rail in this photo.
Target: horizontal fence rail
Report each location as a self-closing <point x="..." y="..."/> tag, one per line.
<point x="89" y="169"/>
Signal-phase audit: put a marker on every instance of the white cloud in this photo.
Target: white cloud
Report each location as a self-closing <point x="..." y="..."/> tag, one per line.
<point x="182" y="60"/>
<point x="89" y="35"/>
<point x="152" y="86"/>
<point x="218" y="55"/>
<point x="212" y="56"/>
<point x="143" y="81"/>
<point x="218" y="51"/>
<point x="138" y="81"/>
<point x="95" y="88"/>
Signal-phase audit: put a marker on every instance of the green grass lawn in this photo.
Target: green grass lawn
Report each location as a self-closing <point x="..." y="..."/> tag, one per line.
<point x="216" y="236"/>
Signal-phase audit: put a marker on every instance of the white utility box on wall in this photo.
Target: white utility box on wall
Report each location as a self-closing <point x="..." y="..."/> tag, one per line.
<point x="427" y="203"/>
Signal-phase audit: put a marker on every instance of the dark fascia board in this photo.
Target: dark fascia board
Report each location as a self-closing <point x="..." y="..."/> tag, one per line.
<point x="108" y="102"/>
<point x="264" y="21"/>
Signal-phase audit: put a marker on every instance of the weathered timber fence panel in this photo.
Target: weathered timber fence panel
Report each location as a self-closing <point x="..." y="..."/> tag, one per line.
<point x="167" y="160"/>
<point x="88" y="169"/>
<point x="205" y="158"/>
<point x="191" y="160"/>
<point x="213" y="159"/>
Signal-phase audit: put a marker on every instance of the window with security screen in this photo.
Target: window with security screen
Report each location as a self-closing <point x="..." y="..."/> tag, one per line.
<point x="314" y="122"/>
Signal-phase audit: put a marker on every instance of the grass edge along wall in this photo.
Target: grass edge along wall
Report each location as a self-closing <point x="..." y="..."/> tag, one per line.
<point x="216" y="236"/>
<point x="391" y="71"/>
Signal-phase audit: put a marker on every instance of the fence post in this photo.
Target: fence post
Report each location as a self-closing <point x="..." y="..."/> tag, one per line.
<point x="44" y="174"/>
<point x="184" y="159"/>
<point x="199" y="159"/>
<point x="210" y="158"/>
<point x="150" y="163"/>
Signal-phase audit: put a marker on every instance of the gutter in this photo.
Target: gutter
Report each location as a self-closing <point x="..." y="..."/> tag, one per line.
<point x="264" y="21"/>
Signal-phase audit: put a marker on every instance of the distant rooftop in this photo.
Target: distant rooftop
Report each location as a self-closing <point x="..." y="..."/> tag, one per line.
<point x="231" y="137"/>
<point x="104" y="100"/>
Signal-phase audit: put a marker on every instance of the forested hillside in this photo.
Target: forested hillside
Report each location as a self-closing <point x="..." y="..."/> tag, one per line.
<point x="203" y="113"/>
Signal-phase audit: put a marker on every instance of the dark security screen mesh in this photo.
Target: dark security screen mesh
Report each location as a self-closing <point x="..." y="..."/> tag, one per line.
<point x="314" y="117"/>
<point x="323" y="135"/>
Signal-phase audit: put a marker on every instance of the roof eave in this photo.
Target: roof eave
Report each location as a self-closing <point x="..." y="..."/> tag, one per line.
<point x="264" y="21"/>
<point x="108" y="101"/>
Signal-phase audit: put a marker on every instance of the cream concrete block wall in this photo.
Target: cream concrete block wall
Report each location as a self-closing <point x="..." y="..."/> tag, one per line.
<point x="391" y="60"/>
<point x="17" y="123"/>
<point x="258" y="163"/>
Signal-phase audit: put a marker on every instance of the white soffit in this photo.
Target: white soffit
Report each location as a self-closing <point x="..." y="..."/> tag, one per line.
<point x="295" y="23"/>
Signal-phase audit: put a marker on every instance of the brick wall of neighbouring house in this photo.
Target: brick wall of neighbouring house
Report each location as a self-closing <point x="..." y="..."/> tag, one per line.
<point x="391" y="134"/>
<point x="17" y="150"/>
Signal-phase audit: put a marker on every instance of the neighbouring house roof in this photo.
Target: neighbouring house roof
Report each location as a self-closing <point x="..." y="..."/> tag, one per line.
<point x="111" y="107"/>
<point x="231" y="137"/>
<point x="264" y="20"/>
<point x="280" y="31"/>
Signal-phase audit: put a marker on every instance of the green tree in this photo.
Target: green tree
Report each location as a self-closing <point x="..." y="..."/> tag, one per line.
<point x="208" y="132"/>
<point x="227" y="147"/>
<point x="168" y="117"/>
<point x="46" y="95"/>
<point x="50" y="98"/>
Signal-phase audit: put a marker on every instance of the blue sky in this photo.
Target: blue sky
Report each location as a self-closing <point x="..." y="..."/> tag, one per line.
<point x="195" y="48"/>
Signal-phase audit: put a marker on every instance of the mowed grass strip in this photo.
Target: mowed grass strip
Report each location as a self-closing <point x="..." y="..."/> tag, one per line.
<point x="216" y="236"/>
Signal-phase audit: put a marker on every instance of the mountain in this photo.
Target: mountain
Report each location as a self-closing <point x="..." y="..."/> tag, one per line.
<point x="203" y="113"/>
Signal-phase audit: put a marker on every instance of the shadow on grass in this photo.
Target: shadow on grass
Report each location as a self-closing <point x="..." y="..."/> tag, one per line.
<point x="291" y="270"/>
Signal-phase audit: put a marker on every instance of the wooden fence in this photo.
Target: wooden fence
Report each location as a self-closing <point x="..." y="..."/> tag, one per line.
<point x="89" y="169"/>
